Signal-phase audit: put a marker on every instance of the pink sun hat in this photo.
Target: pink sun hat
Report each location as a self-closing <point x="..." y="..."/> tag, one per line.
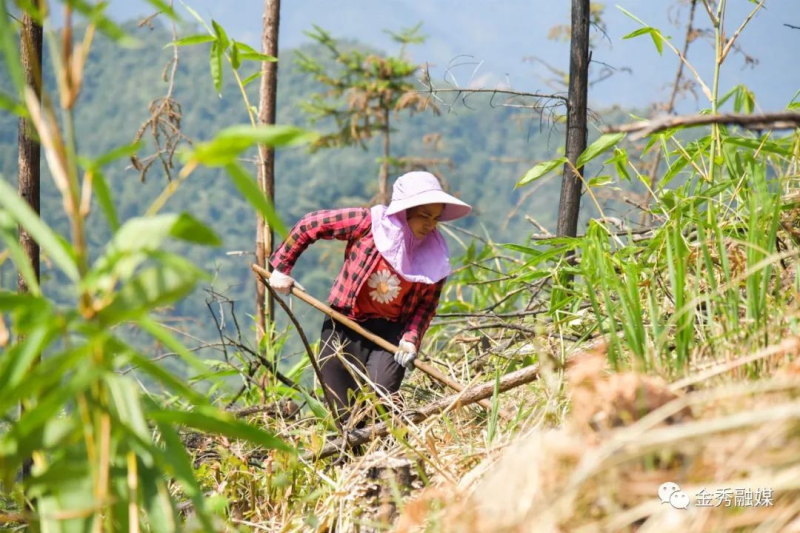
<point x="420" y="188"/>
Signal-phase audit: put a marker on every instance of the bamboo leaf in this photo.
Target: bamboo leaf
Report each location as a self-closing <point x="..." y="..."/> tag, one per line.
<point x="640" y="31"/>
<point x="249" y="189"/>
<point x="600" y="181"/>
<point x="164" y="8"/>
<point x="153" y="287"/>
<point x="192" y="40"/>
<point x="58" y="250"/>
<point x="167" y="339"/>
<point x="250" y="78"/>
<point x="11" y="105"/>
<point x="657" y="40"/>
<point x="8" y="232"/>
<point x="219" y="423"/>
<point x="216" y="66"/>
<point x="105" y="200"/>
<point x="540" y="170"/>
<point x="222" y="38"/>
<point x="174" y="459"/>
<point x="249" y="53"/>
<point x="602" y="144"/>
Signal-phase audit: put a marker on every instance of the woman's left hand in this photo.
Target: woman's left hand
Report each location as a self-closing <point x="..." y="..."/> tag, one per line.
<point x="406" y="354"/>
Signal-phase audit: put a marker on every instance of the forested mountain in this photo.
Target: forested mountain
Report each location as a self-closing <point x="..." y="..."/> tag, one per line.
<point x="489" y="148"/>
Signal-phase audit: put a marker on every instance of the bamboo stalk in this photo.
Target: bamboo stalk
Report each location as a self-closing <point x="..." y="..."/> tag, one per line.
<point x="469" y="396"/>
<point x="383" y="343"/>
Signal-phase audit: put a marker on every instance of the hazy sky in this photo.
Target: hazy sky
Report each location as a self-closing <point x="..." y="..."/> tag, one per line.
<point x="500" y="34"/>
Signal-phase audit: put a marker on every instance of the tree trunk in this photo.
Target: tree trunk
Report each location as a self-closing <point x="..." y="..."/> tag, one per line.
<point x="569" y="205"/>
<point x="29" y="148"/>
<point x="29" y="155"/>
<point x="383" y="186"/>
<point x="266" y="169"/>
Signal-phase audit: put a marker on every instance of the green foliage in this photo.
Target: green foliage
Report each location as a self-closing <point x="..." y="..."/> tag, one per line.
<point x="102" y="447"/>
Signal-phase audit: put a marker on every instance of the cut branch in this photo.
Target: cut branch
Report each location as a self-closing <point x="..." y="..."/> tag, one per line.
<point x="767" y="121"/>
<point x="469" y="396"/>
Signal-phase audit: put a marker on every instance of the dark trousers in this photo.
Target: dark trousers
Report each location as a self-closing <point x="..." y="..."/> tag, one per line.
<point x="345" y="356"/>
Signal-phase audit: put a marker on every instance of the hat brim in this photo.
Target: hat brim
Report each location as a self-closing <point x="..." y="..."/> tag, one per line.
<point x="453" y="207"/>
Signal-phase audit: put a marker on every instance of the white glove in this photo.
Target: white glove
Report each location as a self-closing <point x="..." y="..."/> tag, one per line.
<point x="406" y="354"/>
<point x="281" y="282"/>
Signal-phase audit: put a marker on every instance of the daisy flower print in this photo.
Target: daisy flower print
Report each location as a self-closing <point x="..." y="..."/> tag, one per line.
<point x="386" y="286"/>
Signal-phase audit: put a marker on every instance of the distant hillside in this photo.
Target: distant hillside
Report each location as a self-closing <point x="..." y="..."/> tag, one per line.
<point x="120" y="83"/>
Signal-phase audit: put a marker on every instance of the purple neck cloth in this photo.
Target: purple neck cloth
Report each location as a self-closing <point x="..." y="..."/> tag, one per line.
<point x="417" y="260"/>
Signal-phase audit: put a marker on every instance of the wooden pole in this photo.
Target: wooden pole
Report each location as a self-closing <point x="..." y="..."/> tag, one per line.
<point x="471" y="395"/>
<point x="383" y="343"/>
<point x="268" y="92"/>
<point x="569" y="205"/>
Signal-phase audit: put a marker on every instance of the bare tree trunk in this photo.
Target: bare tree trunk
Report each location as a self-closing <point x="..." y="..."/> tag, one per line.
<point x="29" y="148"/>
<point x="383" y="190"/>
<point x="569" y="205"/>
<point x="29" y="154"/>
<point x="266" y="169"/>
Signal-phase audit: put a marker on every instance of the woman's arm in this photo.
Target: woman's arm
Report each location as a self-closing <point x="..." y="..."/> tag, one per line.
<point x="328" y="224"/>
<point x="423" y="314"/>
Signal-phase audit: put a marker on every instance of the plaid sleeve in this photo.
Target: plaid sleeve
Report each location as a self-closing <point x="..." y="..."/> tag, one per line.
<point x="423" y="314"/>
<point x="327" y="224"/>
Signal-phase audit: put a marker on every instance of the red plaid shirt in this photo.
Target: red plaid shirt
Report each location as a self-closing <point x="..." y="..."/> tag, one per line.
<point x="354" y="225"/>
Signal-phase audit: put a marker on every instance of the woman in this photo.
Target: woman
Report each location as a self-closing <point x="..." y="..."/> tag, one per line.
<point x="396" y="262"/>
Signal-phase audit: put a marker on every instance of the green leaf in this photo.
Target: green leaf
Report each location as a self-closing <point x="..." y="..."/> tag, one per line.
<point x="270" y="135"/>
<point x="657" y="40"/>
<point x="95" y="13"/>
<point x="140" y="238"/>
<point x="161" y="514"/>
<point x="117" y="153"/>
<point x="167" y="379"/>
<point x="105" y="200"/>
<point x="226" y="147"/>
<point x="235" y="61"/>
<point x="174" y="459"/>
<point x="11" y="105"/>
<point x="249" y="53"/>
<point x="54" y="400"/>
<point x="126" y="402"/>
<point x="602" y="144"/>
<point x="251" y="78"/>
<point x="640" y="31"/>
<point x="222" y="37"/>
<point x="189" y="229"/>
<point x="250" y="190"/>
<point x="219" y="423"/>
<point x="192" y="40"/>
<point x="600" y="181"/>
<point x="167" y="339"/>
<point x="164" y="8"/>
<point x="8" y="47"/>
<point x="540" y="170"/>
<point x="216" y="66"/>
<point x="19" y="359"/>
<point x="153" y="287"/>
<point x="58" y="250"/>
<point x="9" y="234"/>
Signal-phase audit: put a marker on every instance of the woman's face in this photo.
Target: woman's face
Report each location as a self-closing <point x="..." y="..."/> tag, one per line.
<point x="423" y="219"/>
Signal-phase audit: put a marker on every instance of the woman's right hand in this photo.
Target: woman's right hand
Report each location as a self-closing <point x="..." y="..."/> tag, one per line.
<point x="281" y="282"/>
